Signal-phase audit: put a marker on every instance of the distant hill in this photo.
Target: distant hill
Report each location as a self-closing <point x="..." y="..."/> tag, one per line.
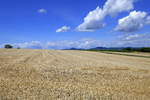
<point x="74" y="49"/>
<point x="119" y="49"/>
<point x="97" y="48"/>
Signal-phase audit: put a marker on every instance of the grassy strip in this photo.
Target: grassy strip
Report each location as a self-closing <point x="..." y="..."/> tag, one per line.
<point x="127" y="54"/>
<point x="113" y="52"/>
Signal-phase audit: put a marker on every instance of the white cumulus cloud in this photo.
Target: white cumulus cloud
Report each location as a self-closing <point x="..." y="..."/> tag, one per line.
<point x="94" y="19"/>
<point x="113" y="7"/>
<point x="63" y="29"/>
<point x="133" y="22"/>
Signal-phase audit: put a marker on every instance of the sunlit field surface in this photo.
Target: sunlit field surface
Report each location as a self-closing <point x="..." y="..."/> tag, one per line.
<point x="72" y="75"/>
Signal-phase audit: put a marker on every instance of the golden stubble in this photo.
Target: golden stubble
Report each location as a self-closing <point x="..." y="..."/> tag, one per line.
<point x="72" y="75"/>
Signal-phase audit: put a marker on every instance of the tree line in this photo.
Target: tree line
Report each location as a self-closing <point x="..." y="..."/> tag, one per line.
<point x="8" y="46"/>
<point x="143" y="49"/>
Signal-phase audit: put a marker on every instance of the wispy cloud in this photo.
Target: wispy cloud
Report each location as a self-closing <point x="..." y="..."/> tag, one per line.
<point x="63" y="29"/>
<point x="132" y="40"/>
<point x="42" y="11"/>
<point x="82" y="43"/>
<point x="32" y="45"/>
<point x="124" y="40"/>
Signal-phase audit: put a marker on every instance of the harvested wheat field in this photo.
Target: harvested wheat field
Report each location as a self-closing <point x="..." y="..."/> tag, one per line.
<point x="72" y="75"/>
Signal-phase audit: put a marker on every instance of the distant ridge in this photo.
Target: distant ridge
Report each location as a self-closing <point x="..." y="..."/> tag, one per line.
<point x="119" y="49"/>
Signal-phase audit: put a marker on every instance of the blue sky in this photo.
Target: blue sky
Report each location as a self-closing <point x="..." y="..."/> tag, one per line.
<point x="57" y="24"/>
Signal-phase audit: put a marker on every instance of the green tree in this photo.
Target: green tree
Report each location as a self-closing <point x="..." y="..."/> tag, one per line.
<point x="8" y="46"/>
